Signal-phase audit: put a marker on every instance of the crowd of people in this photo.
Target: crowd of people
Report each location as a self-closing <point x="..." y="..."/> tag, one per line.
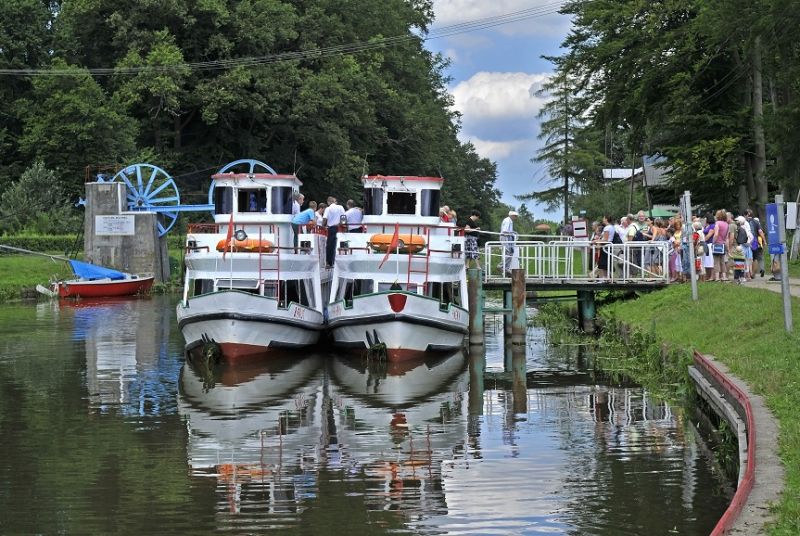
<point x="726" y="248"/>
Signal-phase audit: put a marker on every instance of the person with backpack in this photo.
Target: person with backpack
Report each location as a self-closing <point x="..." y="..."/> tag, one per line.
<point x="744" y="237"/>
<point x="756" y="244"/>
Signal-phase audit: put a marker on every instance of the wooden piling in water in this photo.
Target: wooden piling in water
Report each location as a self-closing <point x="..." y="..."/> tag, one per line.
<point x="475" y="297"/>
<point x="519" y="316"/>
<point x="477" y="367"/>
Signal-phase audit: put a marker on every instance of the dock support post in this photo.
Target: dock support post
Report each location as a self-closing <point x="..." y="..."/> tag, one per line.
<point x="586" y="310"/>
<point x="475" y="297"/>
<point x="507" y="315"/>
<point x="519" y="316"/>
<point x="519" y="379"/>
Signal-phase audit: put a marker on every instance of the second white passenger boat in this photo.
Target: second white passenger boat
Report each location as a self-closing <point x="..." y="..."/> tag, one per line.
<point x="248" y="289"/>
<point x="399" y="286"/>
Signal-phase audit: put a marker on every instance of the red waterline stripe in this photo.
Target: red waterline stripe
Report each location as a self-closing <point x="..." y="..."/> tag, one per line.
<point x="730" y="516"/>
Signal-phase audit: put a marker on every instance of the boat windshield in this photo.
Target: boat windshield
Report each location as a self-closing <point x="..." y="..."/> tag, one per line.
<point x="402" y="203"/>
<point x="429" y="203"/>
<point x="223" y="200"/>
<point x="253" y="200"/>
<point x="373" y="201"/>
<point x="281" y="200"/>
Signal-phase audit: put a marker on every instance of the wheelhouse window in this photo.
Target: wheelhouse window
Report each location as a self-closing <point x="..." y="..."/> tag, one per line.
<point x="201" y="286"/>
<point x="252" y="200"/>
<point x="429" y="202"/>
<point x="223" y="200"/>
<point x="373" y="201"/>
<point x="401" y="203"/>
<point x="349" y="288"/>
<point x="281" y="199"/>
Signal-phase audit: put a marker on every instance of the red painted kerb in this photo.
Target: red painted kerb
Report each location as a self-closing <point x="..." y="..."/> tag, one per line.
<point x="730" y="516"/>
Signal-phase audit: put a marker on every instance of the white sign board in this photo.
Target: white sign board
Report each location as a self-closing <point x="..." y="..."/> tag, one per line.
<point x="115" y="225"/>
<point x="791" y="215"/>
<point x="579" y="229"/>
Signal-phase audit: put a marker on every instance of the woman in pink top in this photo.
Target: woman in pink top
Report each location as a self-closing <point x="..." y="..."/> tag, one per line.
<point x="719" y="235"/>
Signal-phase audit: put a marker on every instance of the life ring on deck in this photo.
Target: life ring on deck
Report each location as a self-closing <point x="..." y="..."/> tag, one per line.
<point x="407" y="243"/>
<point x="249" y="245"/>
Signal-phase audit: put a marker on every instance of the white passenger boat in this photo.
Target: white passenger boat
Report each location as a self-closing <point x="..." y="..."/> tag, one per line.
<point x="247" y="287"/>
<point x="400" y="285"/>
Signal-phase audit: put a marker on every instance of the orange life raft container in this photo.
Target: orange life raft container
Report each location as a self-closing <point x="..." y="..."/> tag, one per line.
<point x="407" y="243"/>
<point x="250" y="245"/>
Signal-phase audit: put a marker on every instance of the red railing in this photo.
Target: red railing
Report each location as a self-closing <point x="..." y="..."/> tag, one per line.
<point x="728" y="519"/>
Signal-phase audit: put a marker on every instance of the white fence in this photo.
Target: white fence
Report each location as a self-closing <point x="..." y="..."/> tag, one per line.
<point x="579" y="260"/>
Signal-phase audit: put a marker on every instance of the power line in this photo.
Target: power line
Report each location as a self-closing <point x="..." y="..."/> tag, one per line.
<point x="316" y="53"/>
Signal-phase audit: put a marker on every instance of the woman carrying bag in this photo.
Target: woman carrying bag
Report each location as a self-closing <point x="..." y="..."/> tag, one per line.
<point x="719" y="246"/>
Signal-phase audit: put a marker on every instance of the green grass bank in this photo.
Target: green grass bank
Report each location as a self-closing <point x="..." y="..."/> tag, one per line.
<point x="742" y="327"/>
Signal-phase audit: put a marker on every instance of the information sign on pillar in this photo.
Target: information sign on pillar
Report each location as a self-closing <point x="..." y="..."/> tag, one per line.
<point x="774" y="230"/>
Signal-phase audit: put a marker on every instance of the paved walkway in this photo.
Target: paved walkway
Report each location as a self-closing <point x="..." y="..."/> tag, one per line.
<point x="775" y="286"/>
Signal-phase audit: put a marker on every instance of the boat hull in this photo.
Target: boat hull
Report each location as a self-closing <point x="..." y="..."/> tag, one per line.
<point x="103" y="288"/>
<point x="408" y="332"/>
<point x="246" y="325"/>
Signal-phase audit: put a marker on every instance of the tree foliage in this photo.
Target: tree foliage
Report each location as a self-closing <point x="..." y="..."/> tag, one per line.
<point x="329" y="116"/>
<point x="680" y="78"/>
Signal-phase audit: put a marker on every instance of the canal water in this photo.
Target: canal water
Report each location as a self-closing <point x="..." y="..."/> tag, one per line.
<point x="105" y="429"/>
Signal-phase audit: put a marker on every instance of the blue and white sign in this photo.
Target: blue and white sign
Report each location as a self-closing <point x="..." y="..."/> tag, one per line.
<point x="773" y="224"/>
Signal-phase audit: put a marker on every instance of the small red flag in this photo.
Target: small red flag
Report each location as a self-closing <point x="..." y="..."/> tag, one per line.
<point x="228" y="237"/>
<point x="392" y="245"/>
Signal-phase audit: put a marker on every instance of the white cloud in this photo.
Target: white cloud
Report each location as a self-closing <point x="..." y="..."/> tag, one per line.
<point x="499" y="95"/>
<point x="496" y="150"/>
<point x="541" y="15"/>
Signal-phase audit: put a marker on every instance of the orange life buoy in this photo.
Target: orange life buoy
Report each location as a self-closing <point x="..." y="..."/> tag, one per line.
<point x="250" y="245"/>
<point x="407" y="243"/>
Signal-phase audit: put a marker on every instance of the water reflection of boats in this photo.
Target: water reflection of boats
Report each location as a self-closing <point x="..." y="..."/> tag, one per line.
<point x="251" y="422"/>
<point x="398" y="424"/>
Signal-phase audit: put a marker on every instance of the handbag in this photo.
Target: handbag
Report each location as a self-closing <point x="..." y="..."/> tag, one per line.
<point x="718" y="248"/>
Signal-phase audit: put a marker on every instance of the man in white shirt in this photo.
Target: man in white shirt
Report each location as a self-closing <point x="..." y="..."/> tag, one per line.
<point x="331" y="219"/>
<point x="508" y="237"/>
<point x="297" y="202"/>
<point x="354" y="217"/>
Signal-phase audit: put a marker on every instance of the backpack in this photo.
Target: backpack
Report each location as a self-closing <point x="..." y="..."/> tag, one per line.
<point x="617" y="239"/>
<point x="741" y="236"/>
<point x="638" y="236"/>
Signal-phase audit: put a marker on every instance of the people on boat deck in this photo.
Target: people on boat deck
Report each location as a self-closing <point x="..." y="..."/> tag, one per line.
<point x="354" y="217"/>
<point x="508" y="237"/>
<point x="331" y="219"/>
<point x="302" y="219"/>
<point x="320" y="211"/>
<point x="297" y="202"/>
<point x="471" y="227"/>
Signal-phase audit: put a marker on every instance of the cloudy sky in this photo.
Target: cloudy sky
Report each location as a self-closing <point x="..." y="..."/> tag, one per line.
<point x="496" y="72"/>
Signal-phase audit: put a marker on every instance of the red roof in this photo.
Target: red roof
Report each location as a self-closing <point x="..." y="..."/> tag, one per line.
<point x="400" y="178"/>
<point x="259" y="176"/>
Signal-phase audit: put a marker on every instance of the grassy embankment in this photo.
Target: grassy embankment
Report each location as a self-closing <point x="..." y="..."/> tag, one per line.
<point x="19" y="274"/>
<point x="742" y="327"/>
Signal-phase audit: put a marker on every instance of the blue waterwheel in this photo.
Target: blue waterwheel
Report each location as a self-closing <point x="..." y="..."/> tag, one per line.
<point x="245" y="165"/>
<point x="151" y="189"/>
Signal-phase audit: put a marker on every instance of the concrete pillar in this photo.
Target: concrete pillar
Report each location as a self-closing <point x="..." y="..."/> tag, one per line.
<point x="519" y="315"/>
<point x="126" y="241"/>
<point x="586" y="310"/>
<point x="475" y="297"/>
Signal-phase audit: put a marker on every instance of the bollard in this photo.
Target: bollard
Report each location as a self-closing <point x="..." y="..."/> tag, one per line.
<point x="519" y="316"/>
<point x="477" y="367"/>
<point x="507" y="315"/>
<point x="586" y="310"/>
<point x="475" y="297"/>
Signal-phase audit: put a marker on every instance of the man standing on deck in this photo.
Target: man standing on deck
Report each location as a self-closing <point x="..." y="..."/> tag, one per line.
<point x="508" y="237"/>
<point x="354" y="217"/>
<point x="331" y="219"/>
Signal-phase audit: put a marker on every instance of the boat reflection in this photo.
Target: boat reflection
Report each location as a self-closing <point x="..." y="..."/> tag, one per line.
<point x="128" y="365"/>
<point x="396" y="424"/>
<point x="254" y="426"/>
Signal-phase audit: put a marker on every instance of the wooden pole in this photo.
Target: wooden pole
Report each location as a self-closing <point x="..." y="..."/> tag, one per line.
<point x="477" y="366"/>
<point x="507" y="315"/>
<point x="475" y="297"/>
<point x="586" y="310"/>
<point x="519" y="316"/>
